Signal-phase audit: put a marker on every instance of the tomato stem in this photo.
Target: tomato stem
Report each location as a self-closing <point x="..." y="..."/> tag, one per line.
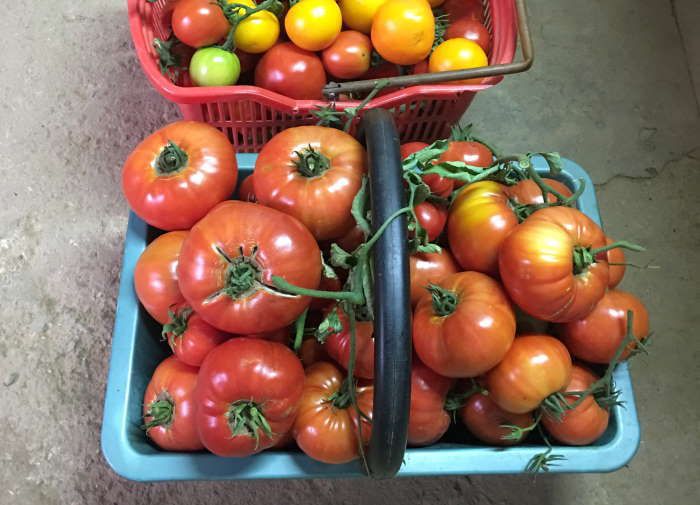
<point x="176" y="325"/>
<point x="621" y="244"/>
<point x="311" y="163"/>
<point x="246" y="418"/>
<point x="444" y="300"/>
<point x="583" y="257"/>
<point x="241" y="276"/>
<point x="171" y="159"/>
<point x="160" y="411"/>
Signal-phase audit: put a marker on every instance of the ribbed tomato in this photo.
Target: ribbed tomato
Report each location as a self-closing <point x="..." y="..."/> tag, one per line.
<point x="429" y="268"/>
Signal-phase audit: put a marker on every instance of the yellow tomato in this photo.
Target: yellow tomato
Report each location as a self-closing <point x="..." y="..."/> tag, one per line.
<point x="403" y="31"/>
<point x="358" y="14"/>
<point x="458" y="54"/>
<point x="257" y="33"/>
<point x="313" y="24"/>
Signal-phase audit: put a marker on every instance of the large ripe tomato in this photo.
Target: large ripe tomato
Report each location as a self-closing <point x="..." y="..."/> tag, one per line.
<point x="463" y="326"/>
<point x="439" y="185"/>
<point x="199" y="23"/>
<point x="247" y="396"/>
<point x="337" y="346"/>
<point x="527" y="192"/>
<point x="229" y="258"/>
<point x="458" y="54"/>
<point x="596" y="337"/>
<point x="429" y="268"/>
<point x="534" y="367"/>
<point x="616" y="263"/>
<point x="403" y="31"/>
<point x="168" y="407"/>
<point x="312" y="173"/>
<point x="583" y="424"/>
<point x="480" y="219"/>
<point x="547" y="267"/>
<point x="190" y="337"/>
<point x="256" y="33"/>
<point x="326" y="426"/>
<point x="427" y="420"/>
<point x="486" y="420"/>
<point x="432" y="217"/>
<point x="291" y="71"/>
<point x="358" y="14"/>
<point x="470" y="29"/>
<point x="349" y="56"/>
<point x="313" y="24"/>
<point x="457" y="9"/>
<point x="155" y="275"/>
<point x="178" y="174"/>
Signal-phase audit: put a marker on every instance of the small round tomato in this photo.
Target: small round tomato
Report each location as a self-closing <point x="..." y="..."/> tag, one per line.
<point x="228" y="262"/>
<point x="327" y="424"/>
<point x="457" y="9"/>
<point x="548" y="268"/>
<point x="247" y="395"/>
<point x="190" y="337"/>
<point x="585" y="423"/>
<point x="358" y="14"/>
<point x="403" y="31"/>
<point x="467" y="151"/>
<point x="199" y="23"/>
<point x="312" y="351"/>
<point x="432" y="217"/>
<point x="429" y="268"/>
<point x="527" y="192"/>
<point x="470" y="29"/>
<point x="409" y="148"/>
<point x="427" y="419"/>
<point x="439" y="185"/>
<point x="616" y="264"/>
<point x="258" y="32"/>
<point x="155" y="275"/>
<point x="213" y="66"/>
<point x="291" y="71"/>
<point x="168" y="407"/>
<point x="534" y="367"/>
<point x="352" y="239"/>
<point x="248" y="62"/>
<point x="312" y="173"/>
<point x="337" y="346"/>
<point x="313" y="24"/>
<point x="348" y="57"/>
<point x="246" y="192"/>
<point x="178" y="174"/>
<point x="420" y="68"/>
<point x="463" y="325"/>
<point x="596" y="337"/>
<point x="486" y="420"/>
<point x="458" y="54"/>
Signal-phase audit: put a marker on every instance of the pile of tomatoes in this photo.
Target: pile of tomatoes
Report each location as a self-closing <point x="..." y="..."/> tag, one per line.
<point x="294" y="48"/>
<point x="517" y="319"/>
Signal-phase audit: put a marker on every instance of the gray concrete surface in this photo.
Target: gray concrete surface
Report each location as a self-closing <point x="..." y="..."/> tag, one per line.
<point x="612" y="88"/>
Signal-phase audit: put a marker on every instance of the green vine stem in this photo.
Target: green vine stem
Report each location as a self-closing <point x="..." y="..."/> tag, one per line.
<point x="517" y="433"/>
<point x="584" y="257"/>
<point x="299" y="327"/>
<point x="543" y="461"/>
<point x="464" y="133"/>
<point x="456" y="399"/>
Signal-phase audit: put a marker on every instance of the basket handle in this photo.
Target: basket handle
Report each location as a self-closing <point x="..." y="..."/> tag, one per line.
<point x="392" y="331"/>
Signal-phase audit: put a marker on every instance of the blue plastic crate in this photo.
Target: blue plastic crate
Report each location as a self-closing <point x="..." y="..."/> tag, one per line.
<point x="137" y="350"/>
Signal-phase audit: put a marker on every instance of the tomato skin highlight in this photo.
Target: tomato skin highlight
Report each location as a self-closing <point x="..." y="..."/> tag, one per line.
<point x="199" y="23"/>
<point x="403" y="31"/>
<point x="428" y="268"/>
<point x="485" y="419"/>
<point x="291" y="71"/>
<point x="428" y="420"/>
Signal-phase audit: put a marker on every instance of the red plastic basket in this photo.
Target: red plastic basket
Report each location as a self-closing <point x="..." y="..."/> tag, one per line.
<point x="250" y="115"/>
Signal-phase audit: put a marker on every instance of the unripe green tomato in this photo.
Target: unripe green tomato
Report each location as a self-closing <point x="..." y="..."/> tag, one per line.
<point x="213" y="66"/>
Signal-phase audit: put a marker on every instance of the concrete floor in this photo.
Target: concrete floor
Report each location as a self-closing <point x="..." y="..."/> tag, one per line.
<point x="615" y="87"/>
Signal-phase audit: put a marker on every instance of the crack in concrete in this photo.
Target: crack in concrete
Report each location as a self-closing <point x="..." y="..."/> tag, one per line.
<point x="692" y="154"/>
<point x="686" y="58"/>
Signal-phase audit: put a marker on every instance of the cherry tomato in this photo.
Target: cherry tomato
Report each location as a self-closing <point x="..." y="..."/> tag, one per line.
<point x="155" y="275"/>
<point x="464" y="326"/>
<point x="427" y="420"/>
<point x="470" y="29"/>
<point x="337" y="346"/>
<point x="190" y="337"/>
<point x="168" y="407"/>
<point x="616" y="264"/>
<point x="429" y="268"/>
<point x="403" y="31"/>
<point x="213" y="66"/>
<point x="179" y="173"/>
<point x="527" y="192"/>
<point x="291" y="71"/>
<point x="313" y="24"/>
<point x="229" y="259"/>
<point x="439" y="186"/>
<point x="469" y="152"/>
<point x="409" y="148"/>
<point x="358" y="14"/>
<point x="539" y="271"/>
<point x="534" y="367"/>
<point x="312" y="173"/>
<point x="256" y="33"/>
<point x="247" y="396"/>
<point x="246" y="192"/>
<point x="326" y="425"/>
<point x="420" y="68"/>
<point x="432" y="217"/>
<point x="348" y="57"/>
<point x="199" y="23"/>
<point x="596" y="337"/>
<point x="457" y="9"/>
<point x="486" y="420"/>
<point x="458" y="54"/>
<point x="585" y="423"/>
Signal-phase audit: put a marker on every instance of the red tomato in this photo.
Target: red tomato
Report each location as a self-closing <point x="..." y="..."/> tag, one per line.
<point x="469" y="152"/>
<point x="616" y="263"/>
<point x="470" y="29"/>
<point x="534" y="367"/>
<point x="439" y="186"/>
<point x="420" y="68"/>
<point x="403" y="31"/>
<point x="246" y="192"/>
<point x="429" y="268"/>
<point x="348" y="57"/>
<point x="228" y="261"/>
<point x="428" y="420"/>
<point x="337" y="346"/>
<point x="583" y="424"/>
<point x="199" y="23"/>
<point x="291" y="71"/>
<point x="190" y="337"/>
<point x="352" y="239"/>
<point x="596" y="337"/>
<point x="457" y="9"/>
<point x="281" y="336"/>
<point x="312" y="173"/>
<point x="383" y="70"/>
<point x="168" y="407"/>
<point x="527" y="192"/>
<point x="327" y="423"/>
<point x="486" y="420"/>
<point x="312" y="352"/>
<point x="464" y="328"/>
<point x="247" y="396"/>
<point x="409" y="148"/>
<point x="432" y="217"/>
<point x="537" y="266"/>
<point x="155" y="275"/>
<point x="178" y="174"/>
<point x="247" y="61"/>
<point x="327" y="284"/>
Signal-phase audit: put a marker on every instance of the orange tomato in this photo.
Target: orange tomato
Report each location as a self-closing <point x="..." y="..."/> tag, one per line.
<point x="403" y="31"/>
<point x="458" y="54"/>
